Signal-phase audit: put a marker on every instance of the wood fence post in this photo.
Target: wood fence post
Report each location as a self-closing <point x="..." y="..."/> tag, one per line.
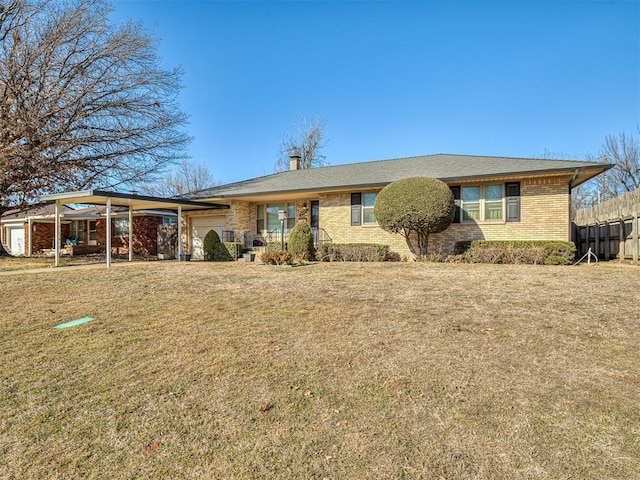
<point x="607" y="241"/>
<point x="597" y="246"/>
<point x="621" y="249"/>
<point x="634" y="237"/>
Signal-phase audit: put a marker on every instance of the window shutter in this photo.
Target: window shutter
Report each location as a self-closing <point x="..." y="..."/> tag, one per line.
<point x="456" y="197"/>
<point x="513" y="201"/>
<point x="356" y="209"/>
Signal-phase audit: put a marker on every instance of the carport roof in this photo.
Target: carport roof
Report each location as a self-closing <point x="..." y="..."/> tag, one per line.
<point x="136" y="202"/>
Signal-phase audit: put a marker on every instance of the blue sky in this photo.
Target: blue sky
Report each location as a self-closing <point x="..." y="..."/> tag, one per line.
<point x="395" y="79"/>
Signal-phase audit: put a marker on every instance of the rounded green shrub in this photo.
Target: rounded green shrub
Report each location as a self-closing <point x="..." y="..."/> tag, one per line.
<point x="210" y="245"/>
<point x="301" y="242"/>
<point x="415" y="206"/>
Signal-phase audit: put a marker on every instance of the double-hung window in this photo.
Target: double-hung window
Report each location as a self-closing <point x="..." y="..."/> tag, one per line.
<point x="471" y="203"/>
<point x="493" y="205"/>
<point x="362" y="208"/>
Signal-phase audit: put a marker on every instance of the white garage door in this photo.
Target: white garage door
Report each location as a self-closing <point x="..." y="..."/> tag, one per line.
<point x="16" y="241"/>
<point x="200" y="226"/>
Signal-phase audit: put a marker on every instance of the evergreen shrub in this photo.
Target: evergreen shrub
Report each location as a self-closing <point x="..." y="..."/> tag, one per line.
<point x="301" y="242"/>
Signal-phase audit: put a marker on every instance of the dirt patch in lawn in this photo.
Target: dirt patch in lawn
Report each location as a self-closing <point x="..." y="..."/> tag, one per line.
<point x="203" y="370"/>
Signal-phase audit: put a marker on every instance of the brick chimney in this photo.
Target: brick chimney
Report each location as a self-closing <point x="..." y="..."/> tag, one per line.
<point x="294" y="161"/>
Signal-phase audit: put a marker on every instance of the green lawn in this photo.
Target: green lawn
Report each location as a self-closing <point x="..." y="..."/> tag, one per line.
<point x="336" y="371"/>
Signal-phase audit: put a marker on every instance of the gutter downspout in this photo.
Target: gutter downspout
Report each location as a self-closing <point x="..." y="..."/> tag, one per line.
<point x="571" y="229"/>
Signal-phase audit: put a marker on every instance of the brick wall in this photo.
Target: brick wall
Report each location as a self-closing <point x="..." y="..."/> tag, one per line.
<point x="544" y="215"/>
<point x="43" y="235"/>
<point x="145" y="236"/>
<point x="239" y="217"/>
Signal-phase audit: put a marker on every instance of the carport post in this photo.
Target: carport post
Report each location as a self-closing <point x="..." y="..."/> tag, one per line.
<point x="130" y="233"/>
<point x="179" y="231"/>
<point x="108" y="232"/>
<point x="29" y="245"/>
<point x="57" y="233"/>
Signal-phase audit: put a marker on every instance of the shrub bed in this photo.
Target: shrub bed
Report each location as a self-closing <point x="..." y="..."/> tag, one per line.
<point x="354" y="252"/>
<point x="535" y="252"/>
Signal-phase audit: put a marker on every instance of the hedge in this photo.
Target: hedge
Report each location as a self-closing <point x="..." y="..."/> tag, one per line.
<point x="545" y="252"/>
<point x="353" y="252"/>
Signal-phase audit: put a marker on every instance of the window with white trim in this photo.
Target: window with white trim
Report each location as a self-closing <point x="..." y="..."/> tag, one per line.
<point x="362" y="208"/>
<point x="487" y="203"/>
<point x="267" y="217"/>
<point x="77" y="229"/>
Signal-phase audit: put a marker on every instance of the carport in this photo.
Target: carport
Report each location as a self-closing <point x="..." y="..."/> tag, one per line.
<point x="131" y="200"/>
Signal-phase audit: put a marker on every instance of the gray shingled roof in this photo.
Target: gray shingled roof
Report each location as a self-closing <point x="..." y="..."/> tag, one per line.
<point x="379" y="173"/>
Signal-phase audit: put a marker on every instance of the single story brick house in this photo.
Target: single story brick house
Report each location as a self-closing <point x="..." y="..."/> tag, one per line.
<point x="498" y="198"/>
<point x="32" y="231"/>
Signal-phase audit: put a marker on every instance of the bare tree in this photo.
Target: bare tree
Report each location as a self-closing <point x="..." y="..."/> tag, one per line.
<point x="622" y="150"/>
<point x="186" y="177"/>
<point x="582" y="196"/>
<point x="307" y="141"/>
<point x="83" y="103"/>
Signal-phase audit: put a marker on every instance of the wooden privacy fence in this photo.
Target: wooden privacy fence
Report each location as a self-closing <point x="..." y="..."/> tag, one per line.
<point x="610" y="229"/>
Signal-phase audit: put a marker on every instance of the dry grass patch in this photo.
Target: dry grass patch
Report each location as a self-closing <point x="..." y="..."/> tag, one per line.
<point x="200" y="370"/>
<point x="10" y="264"/>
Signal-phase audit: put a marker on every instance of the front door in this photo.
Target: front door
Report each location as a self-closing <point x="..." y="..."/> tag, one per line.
<point x="315" y="219"/>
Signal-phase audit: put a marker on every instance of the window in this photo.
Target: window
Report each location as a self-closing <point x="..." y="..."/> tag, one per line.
<point x="471" y="203"/>
<point x="367" y="208"/>
<point x="122" y="227"/>
<point x="291" y="216"/>
<point x="267" y="217"/>
<point x="273" y="223"/>
<point x="169" y="220"/>
<point x="493" y="202"/>
<point x="362" y="208"/>
<point x="77" y="229"/>
<point x="490" y="203"/>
